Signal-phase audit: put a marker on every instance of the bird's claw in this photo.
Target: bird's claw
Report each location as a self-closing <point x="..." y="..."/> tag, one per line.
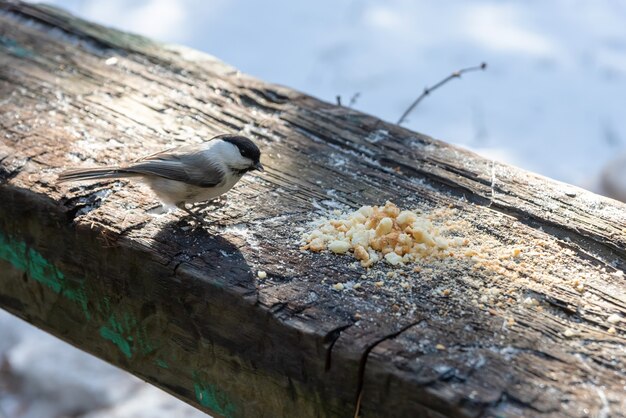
<point x="196" y="216"/>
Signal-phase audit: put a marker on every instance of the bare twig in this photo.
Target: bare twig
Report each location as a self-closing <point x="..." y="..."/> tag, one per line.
<point x="428" y="90"/>
<point x="354" y="98"/>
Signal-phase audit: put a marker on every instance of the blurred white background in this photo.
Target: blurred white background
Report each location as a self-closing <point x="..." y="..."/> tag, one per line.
<point x="553" y="101"/>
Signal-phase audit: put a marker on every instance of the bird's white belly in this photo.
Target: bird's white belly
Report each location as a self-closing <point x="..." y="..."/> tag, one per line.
<point x="172" y="192"/>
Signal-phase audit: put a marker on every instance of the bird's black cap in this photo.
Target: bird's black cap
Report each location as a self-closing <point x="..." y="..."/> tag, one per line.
<point x="246" y="147"/>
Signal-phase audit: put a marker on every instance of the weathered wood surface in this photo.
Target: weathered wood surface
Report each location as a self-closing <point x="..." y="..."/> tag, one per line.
<point x="184" y="309"/>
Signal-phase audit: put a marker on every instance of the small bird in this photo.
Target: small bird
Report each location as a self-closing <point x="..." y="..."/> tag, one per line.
<point x="187" y="174"/>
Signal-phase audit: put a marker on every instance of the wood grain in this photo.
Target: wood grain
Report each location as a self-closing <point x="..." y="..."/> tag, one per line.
<point x="183" y="308"/>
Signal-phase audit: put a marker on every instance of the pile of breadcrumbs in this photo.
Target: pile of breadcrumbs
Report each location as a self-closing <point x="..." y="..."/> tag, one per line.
<point x="493" y="273"/>
<point x="373" y="233"/>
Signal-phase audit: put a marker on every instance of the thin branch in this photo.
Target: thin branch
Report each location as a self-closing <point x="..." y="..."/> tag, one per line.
<point x="354" y="98"/>
<point x="428" y="90"/>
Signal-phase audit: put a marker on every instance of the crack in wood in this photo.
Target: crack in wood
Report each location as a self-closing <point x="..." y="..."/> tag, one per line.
<point x="363" y="362"/>
<point x="330" y="339"/>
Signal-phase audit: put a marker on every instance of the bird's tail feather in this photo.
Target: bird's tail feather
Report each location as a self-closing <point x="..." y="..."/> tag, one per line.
<point x="94" y="174"/>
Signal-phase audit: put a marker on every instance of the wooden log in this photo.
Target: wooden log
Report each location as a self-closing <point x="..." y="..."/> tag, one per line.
<point x="534" y="329"/>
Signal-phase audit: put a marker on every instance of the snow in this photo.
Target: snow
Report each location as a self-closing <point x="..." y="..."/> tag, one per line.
<point x="551" y="101"/>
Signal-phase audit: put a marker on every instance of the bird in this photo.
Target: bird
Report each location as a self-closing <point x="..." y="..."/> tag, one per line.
<point x="186" y="174"/>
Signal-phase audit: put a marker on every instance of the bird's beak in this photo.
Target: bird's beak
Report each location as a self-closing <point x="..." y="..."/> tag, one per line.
<point x="259" y="166"/>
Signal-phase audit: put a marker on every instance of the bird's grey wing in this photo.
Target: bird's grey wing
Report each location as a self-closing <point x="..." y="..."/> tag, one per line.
<point x="180" y="165"/>
<point x="171" y="152"/>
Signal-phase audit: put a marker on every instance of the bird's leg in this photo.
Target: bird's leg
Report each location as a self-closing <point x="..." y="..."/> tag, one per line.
<point x="194" y="215"/>
<point x="215" y="203"/>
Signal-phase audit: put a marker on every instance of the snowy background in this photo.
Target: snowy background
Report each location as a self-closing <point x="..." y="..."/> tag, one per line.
<point x="553" y="101"/>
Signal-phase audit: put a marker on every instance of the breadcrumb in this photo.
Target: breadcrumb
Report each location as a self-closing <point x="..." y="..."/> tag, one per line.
<point x="614" y="318"/>
<point x="374" y="233"/>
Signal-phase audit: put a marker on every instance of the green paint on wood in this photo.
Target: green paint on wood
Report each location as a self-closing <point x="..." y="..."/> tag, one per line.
<point x="38" y="268"/>
<point x="162" y="363"/>
<point x="119" y="334"/>
<point x="127" y="334"/>
<point x="14" y="48"/>
<point x="123" y="330"/>
<point x="117" y="339"/>
<point x="210" y="397"/>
